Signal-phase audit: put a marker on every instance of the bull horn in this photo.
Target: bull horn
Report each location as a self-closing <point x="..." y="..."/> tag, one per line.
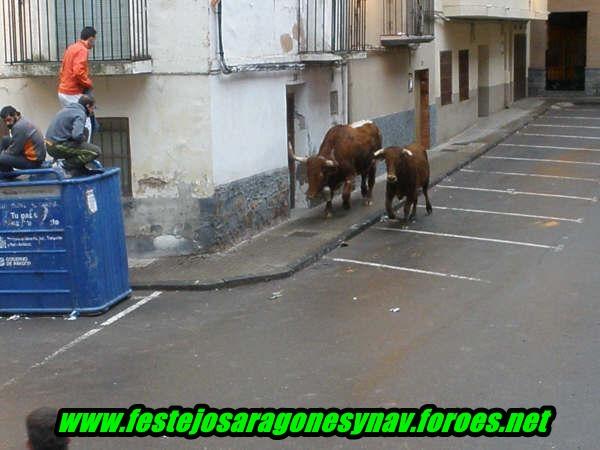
<point x="379" y="153"/>
<point x="329" y="162"/>
<point x="292" y="154"/>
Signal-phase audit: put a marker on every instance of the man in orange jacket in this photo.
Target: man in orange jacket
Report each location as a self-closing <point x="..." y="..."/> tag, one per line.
<point x="74" y="73"/>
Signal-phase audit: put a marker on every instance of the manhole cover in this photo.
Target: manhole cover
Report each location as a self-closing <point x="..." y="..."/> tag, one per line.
<point x="303" y="234"/>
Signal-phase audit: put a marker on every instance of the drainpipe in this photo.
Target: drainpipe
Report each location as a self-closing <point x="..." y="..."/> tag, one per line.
<point x="346" y="89"/>
<point x="259" y="67"/>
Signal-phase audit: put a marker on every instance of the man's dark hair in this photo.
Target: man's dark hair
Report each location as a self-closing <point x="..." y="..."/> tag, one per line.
<point x="87" y="33"/>
<point x="40" y="430"/>
<point x="86" y="100"/>
<point x="8" y="111"/>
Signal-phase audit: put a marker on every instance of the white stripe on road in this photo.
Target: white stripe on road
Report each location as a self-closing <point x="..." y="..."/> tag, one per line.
<point x="129" y="310"/>
<point x="533" y="175"/>
<point x="593" y="138"/>
<point x="581" y="109"/>
<point x="514" y="192"/>
<point x="558" y="161"/>
<point x="472" y="238"/>
<point x="551" y="147"/>
<point x="407" y="269"/>
<point x="572" y="117"/>
<point x="586" y="127"/>
<point x="83" y="337"/>
<point x="501" y="213"/>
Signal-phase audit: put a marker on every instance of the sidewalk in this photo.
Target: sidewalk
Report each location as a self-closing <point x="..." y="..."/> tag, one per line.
<point x="283" y="250"/>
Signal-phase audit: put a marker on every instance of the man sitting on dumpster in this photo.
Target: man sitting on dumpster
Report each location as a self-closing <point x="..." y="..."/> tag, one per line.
<point x="67" y="136"/>
<point x="24" y="147"/>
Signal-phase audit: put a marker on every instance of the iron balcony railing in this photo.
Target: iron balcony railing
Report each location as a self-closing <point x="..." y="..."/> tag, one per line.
<point x="408" y="18"/>
<point x="332" y="26"/>
<point x="40" y="30"/>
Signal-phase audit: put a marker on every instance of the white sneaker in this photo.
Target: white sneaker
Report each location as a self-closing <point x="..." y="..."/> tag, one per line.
<point x="59" y="168"/>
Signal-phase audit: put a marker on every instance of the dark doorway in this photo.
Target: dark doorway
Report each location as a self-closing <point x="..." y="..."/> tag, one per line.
<point x="291" y="137"/>
<point x="520" y="66"/>
<point x="483" y="70"/>
<point x="567" y="49"/>
<point x="422" y="108"/>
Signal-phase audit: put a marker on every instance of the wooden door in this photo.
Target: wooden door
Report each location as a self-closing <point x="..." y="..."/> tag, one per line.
<point x="520" y="66"/>
<point x="422" y="108"/>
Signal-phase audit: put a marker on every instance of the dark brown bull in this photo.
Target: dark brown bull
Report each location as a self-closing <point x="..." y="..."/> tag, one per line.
<point x="407" y="172"/>
<point x="346" y="151"/>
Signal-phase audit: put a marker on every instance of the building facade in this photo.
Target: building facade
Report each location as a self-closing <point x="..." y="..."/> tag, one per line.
<point x="198" y="100"/>
<point x="565" y="60"/>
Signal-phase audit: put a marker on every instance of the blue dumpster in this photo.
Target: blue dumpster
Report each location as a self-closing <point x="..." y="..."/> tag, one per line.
<point x="62" y="243"/>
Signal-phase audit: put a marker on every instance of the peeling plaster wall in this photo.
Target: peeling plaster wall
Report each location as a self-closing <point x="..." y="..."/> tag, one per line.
<point x="255" y="30"/>
<point x="169" y="120"/>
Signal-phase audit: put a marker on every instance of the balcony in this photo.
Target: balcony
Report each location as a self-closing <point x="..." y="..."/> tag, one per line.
<point x="497" y="9"/>
<point x="332" y="29"/>
<point x="37" y="32"/>
<point x="407" y="22"/>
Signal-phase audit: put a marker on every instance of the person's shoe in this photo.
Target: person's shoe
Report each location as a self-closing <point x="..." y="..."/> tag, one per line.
<point x="58" y="167"/>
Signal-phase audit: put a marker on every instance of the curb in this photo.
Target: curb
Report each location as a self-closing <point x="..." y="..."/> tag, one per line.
<point x="295" y="267"/>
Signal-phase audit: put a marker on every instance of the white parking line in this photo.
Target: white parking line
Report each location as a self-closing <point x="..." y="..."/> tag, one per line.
<point x="593" y="138"/>
<point x="572" y="117"/>
<point x="83" y="337"/>
<point x="582" y="109"/>
<point x="557" y="161"/>
<point x="501" y="213"/>
<point x="585" y="127"/>
<point x="408" y="269"/>
<point x="472" y="238"/>
<point x="551" y="147"/>
<point x="533" y="175"/>
<point x="515" y="192"/>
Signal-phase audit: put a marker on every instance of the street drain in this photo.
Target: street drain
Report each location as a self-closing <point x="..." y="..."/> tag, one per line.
<point x="451" y="149"/>
<point x="303" y="234"/>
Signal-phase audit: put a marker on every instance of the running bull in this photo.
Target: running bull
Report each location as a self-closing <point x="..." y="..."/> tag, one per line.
<point x="407" y="172"/>
<point x="346" y="151"/>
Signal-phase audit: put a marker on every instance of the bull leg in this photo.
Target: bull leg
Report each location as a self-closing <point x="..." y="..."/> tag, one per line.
<point x="389" y="198"/>
<point x="328" y="193"/>
<point x="407" y="206"/>
<point x="329" y="210"/>
<point x="371" y="175"/>
<point x="363" y="185"/>
<point x="413" y="214"/>
<point x="426" y="193"/>
<point x="347" y="192"/>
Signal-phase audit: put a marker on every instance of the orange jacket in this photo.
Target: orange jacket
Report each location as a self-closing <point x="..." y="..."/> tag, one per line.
<point x="74" y="75"/>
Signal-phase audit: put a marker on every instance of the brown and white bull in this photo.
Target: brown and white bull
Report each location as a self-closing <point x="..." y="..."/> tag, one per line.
<point x="407" y="172"/>
<point x="346" y="151"/>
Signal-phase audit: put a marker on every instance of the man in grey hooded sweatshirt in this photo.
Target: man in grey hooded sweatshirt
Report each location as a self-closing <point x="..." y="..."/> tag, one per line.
<point x="66" y="137"/>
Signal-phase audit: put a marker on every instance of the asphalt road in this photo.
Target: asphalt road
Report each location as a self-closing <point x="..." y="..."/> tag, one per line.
<point x="493" y="301"/>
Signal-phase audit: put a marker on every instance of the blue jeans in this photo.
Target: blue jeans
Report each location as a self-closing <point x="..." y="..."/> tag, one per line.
<point x="9" y="162"/>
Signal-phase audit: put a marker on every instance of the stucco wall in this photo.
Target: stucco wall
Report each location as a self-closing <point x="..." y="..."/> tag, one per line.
<point x="495" y="84"/>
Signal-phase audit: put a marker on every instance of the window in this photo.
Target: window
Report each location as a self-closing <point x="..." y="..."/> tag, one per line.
<point x="41" y="30"/>
<point x="463" y="74"/>
<point x="446" y="77"/>
<point x="113" y="139"/>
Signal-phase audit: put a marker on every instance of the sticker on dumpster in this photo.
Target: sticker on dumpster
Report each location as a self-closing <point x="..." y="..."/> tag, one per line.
<point x="15" y="261"/>
<point x="39" y="213"/>
<point x="91" y="201"/>
<point x="33" y="241"/>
